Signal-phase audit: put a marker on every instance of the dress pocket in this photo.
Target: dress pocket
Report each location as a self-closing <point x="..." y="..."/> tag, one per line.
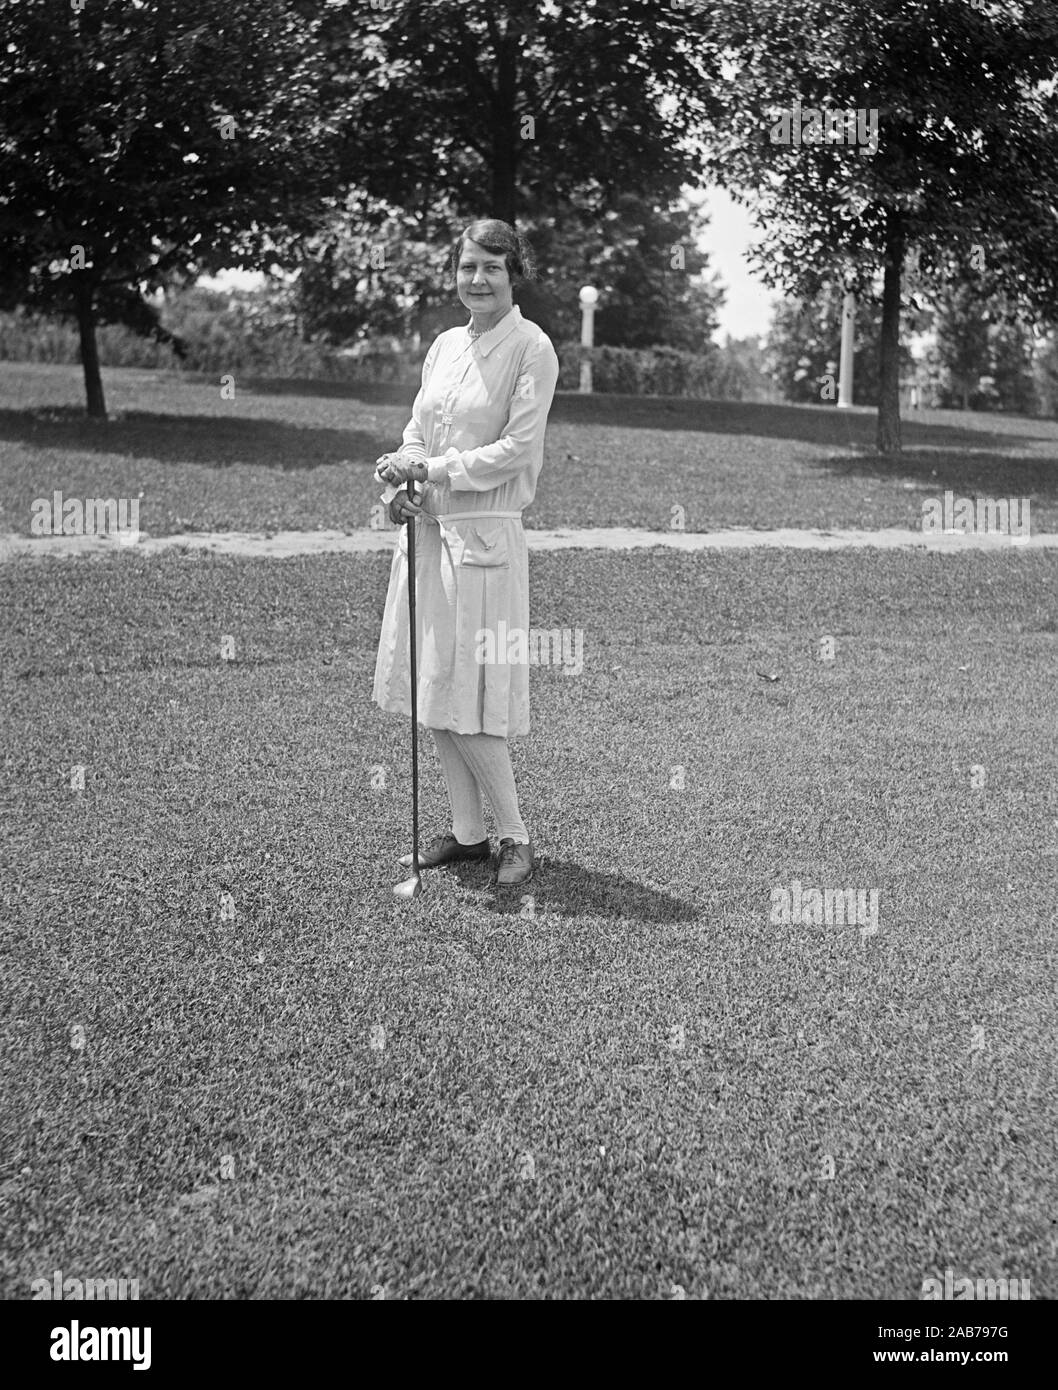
<point x="478" y="544"/>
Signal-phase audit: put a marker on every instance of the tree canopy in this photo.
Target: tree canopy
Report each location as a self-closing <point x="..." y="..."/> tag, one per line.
<point x="349" y="139"/>
<point x="141" y="139"/>
<point x="501" y="105"/>
<point x="964" y="166"/>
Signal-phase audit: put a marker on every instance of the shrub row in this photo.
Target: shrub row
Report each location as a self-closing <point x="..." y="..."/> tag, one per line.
<point x="229" y="340"/>
<point x="654" y="371"/>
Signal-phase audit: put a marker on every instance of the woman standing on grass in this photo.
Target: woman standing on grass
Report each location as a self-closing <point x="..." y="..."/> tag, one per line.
<point x="476" y="440"/>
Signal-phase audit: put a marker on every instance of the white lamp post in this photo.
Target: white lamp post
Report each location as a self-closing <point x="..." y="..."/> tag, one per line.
<point x="848" y="330"/>
<point x="589" y="297"/>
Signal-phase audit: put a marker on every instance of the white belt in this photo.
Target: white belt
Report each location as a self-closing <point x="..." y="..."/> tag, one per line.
<point x="463" y="516"/>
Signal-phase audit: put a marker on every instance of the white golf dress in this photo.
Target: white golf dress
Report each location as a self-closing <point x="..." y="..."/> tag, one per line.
<point x="478" y="423"/>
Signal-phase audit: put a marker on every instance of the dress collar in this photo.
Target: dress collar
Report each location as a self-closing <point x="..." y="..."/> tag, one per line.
<point x="492" y="336"/>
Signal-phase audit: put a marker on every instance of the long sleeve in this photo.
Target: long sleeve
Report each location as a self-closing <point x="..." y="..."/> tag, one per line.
<point x="486" y="468"/>
<point x="414" y="438"/>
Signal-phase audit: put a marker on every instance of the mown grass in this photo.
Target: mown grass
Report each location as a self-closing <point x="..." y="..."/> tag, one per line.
<point x="542" y="1023"/>
<point x="298" y="455"/>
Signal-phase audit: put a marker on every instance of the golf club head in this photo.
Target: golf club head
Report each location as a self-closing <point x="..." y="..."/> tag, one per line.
<point x="410" y="888"/>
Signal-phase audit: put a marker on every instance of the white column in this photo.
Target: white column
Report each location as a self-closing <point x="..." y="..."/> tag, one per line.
<point x="588" y="298"/>
<point x="848" y="331"/>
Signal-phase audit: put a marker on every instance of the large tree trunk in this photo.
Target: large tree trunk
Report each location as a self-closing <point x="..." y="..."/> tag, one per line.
<point x="86" y="324"/>
<point x="506" y="133"/>
<point x="503" y="198"/>
<point x="889" y="343"/>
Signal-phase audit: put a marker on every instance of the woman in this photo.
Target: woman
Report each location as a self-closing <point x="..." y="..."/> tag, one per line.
<point x="476" y="441"/>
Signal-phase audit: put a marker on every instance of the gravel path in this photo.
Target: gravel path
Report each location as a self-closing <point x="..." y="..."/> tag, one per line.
<point x="287" y="543"/>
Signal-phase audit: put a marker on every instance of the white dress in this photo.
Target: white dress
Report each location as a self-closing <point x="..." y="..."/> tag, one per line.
<point x="478" y="422"/>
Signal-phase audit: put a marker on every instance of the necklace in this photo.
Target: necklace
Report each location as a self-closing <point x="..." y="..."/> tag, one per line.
<point x="479" y="332"/>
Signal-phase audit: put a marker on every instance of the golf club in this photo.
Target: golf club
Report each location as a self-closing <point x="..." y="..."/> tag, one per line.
<point x="412" y="887"/>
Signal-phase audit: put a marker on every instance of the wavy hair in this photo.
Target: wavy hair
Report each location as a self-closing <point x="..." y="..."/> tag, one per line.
<point x="502" y="240"/>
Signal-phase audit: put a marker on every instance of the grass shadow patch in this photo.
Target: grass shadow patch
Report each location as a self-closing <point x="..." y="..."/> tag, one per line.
<point x="568" y="889"/>
<point x="368" y="393"/>
<point x="807" y="423"/>
<point x="980" y="473"/>
<point x="212" y="441"/>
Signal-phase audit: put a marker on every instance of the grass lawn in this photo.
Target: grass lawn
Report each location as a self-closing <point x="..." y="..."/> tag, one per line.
<point x="300" y="455"/>
<point x="622" y="1079"/>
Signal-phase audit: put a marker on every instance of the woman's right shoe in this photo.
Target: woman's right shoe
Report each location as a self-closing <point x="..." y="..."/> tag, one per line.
<point x="446" y="849"/>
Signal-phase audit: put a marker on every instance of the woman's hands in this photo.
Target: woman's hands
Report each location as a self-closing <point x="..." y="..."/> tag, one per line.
<point x="395" y="468"/>
<point x="402" y="509"/>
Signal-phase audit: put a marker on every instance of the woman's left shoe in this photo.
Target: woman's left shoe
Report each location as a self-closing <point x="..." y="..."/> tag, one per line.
<point x="515" y="864"/>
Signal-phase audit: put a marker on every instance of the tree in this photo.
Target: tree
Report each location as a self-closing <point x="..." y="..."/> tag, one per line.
<point x="802" y="347"/>
<point x="964" y="167"/>
<point x="373" y="269"/>
<point x="982" y="357"/>
<point x="1010" y="381"/>
<point x="148" y="139"/>
<point x="580" y="123"/>
<point x="641" y="255"/>
<point x="651" y="275"/>
<point x="501" y="103"/>
<point x="376" y="269"/>
<point x="1045" y="374"/>
<point x="962" y="347"/>
<point x="744" y="374"/>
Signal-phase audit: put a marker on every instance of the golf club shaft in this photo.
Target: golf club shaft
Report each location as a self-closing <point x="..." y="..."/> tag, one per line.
<point x="414" y="692"/>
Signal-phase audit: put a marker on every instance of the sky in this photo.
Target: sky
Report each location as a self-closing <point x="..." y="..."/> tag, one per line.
<point x="746" y="312"/>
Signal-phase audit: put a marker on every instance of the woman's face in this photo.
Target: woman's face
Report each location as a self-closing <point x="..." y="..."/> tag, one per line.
<point x="483" y="282"/>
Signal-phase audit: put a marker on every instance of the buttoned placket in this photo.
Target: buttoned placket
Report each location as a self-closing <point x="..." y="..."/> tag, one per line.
<point x="448" y="405"/>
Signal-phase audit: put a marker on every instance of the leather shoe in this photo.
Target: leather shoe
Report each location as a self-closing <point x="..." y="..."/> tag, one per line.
<point x="446" y="849"/>
<point x="515" y="864"/>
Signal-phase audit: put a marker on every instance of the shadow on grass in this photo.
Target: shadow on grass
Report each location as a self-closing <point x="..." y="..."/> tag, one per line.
<point x="990" y="474"/>
<point x="810" y="424"/>
<point x="215" y="441"/>
<point x="570" y="890"/>
<point x="373" y="393"/>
